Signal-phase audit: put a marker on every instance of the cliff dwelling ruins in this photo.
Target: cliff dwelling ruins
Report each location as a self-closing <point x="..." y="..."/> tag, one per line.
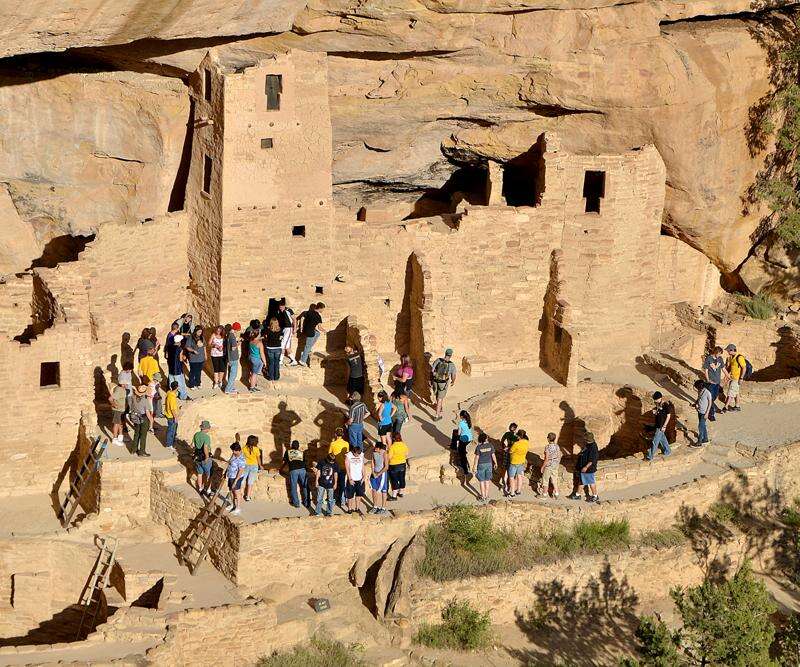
<point x="556" y="205"/>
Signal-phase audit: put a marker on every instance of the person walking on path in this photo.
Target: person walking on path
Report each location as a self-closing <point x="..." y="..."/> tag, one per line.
<point x="379" y="478"/>
<point x="585" y="469"/>
<point x="736" y="367"/>
<point x="175" y="361"/>
<point x="256" y="348"/>
<point x="253" y="462"/>
<point x="549" y="470"/>
<point x="400" y="415"/>
<point x="518" y="461"/>
<point x="310" y="323"/>
<point x="141" y="418"/>
<point x="703" y="407"/>
<point x="295" y="461"/>
<point x="119" y="401"/>
<point x="355" y="420"/>
<point x="327" y="477"/>
<point x="216" y="346"/>
<point x="355" y="364"/>
<point x="273" y="344"/>
<point x="196" y="355"/>
<point x="232" y="351"/>
<point x="235" y="475"/>
<point x="443" y="376"/>
<point x="485" y="463"/>
<point x="385" y="415"/>
<point x="172" y="412"/>
<point x="338" y="449"/>
<point x="663" y="415"/>
<point x="285" y="316"/>
<point x="464" y="435"/>
<point x="714" y="369"/>
<point x="508" y="439"/>
<point x="398" y="466"/>
<point x="201" y="447"/>
<point x="354" y="467"/>
<point x="404" y="381"/>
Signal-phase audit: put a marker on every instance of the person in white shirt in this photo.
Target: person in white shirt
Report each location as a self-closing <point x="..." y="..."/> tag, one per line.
<point x="354" y="468"/>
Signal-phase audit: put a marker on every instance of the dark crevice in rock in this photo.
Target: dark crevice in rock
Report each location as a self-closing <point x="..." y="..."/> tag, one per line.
<point x="759" y="10"/>
<point x="389" y="55"/>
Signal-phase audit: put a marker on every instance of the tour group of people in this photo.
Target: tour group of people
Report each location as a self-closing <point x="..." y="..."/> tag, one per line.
<point x="355" y="467"/>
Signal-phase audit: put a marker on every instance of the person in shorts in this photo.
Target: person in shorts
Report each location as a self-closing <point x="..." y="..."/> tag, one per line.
<point x="508" y="439"/>
<point x="443" y="376"/>
<point x="119" y="401"/>
<point x="585" y="469"/>
<point x="385" y="415"/>
<point x="355" y="365"/>
<point x="354" y="468"/>
<point x="235" y="475"/>
<point x="552" y="458"/>
<point x="485" y="463"/>
<point x="201" y="446"/>
<point x="379" y="478"/>
<point x="518" y="461"/>
<point x="285" y="317"/>
<point x="216" y="346"/>
<point x="734" y="369"/>
<point x="253" y="462"/>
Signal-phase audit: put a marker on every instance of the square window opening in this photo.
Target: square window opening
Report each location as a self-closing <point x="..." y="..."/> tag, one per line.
<point x="50" y="374"/>
<point x="273" y="88"/>
<point x="266" y="143"/>
<point x="299" y="230"/>
<point x="594" y="189"/>
<point x="208" y="165"/>
<point x="318" y="289"/>
<point x="207" y="84"/>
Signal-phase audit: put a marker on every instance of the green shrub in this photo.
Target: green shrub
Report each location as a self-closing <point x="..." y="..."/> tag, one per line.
<point x="662" y="539"/>
<point x="465" y="543"/>
<point x="462" y="628"/>
<point x="319" y="652"/>
<point x="789" y="642"/>
<point x="758" y="306"/>
<point x="723" y="513"/>
<point x="658" y="647"/>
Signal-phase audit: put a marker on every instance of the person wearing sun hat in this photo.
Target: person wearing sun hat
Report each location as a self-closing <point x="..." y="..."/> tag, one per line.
<point x="443" y="376"/>
<point x="141" y="418"/>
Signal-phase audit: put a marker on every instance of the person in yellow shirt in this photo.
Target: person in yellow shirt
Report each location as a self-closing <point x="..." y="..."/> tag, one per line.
<point x="734" y="368"/>
<point x="398" y="465"/>
<point x="253" y="462"/>
<point x="171" y="412"/>
<point x="339" y="448"/>
<point x="148" y="366"/>
<point x="518" y="460"/>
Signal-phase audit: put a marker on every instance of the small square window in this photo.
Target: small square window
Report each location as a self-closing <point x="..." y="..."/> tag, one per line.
<point x="299" y="230"/>
<point x="50" y="374"/>
<point x="319" y="289"/>
<point x="266" y="143"/>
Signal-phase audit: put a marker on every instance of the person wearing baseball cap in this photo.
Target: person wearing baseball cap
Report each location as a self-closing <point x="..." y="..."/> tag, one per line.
<point x="443" y="376"/>
<point x="201" y="447"/>
<point x="232" y="349"/>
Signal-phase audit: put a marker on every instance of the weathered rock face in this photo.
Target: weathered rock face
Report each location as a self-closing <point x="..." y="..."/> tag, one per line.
<point x="79" y="150"/>
<point x="418" y="89"/>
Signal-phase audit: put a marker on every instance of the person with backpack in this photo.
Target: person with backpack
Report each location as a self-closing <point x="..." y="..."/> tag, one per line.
<point x="738" y="369"/>
<point x="141" y="418"/>
<point x="714" y="369"/>
<point x="443" y="376"/>
<point x="201" y="446"/>
<point x="404" y="380"/>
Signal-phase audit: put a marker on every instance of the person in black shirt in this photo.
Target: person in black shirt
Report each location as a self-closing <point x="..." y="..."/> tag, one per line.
<point x="663" y="415"/>
<point x="310" y="324"/>
<point x="327" y="474"/>
<point x="295" y="461"/>
<point x="355" y="363"/>
<point x="585" y="469"/>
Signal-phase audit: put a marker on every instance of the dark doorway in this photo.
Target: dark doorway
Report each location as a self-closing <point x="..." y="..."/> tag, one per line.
<point x="177" y="196"/>
<point x="59" y="249"/>
<point x="468" y="183"/>
<point x="594" y="189"/>
<point x="409" y="336"/>
<point x="50" y="374"/>
<point x="272" y="307"/>
<point x="524" y="177"/>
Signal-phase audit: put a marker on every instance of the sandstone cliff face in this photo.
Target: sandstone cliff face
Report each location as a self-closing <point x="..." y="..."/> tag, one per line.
<point x="79" y="150"/>
<point x="420" y="88"/>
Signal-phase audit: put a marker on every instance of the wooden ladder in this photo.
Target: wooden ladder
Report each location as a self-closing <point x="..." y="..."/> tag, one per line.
<point x="98" y="580"/>
<point x="77" y="487"/>
<point x="195" y="548"/>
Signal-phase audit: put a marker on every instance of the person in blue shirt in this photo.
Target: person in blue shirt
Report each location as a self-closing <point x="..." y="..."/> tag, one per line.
<point x="385" y="416"/>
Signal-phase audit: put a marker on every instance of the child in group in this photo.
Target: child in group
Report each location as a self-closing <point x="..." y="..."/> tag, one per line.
<point x="235" y="475"/>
